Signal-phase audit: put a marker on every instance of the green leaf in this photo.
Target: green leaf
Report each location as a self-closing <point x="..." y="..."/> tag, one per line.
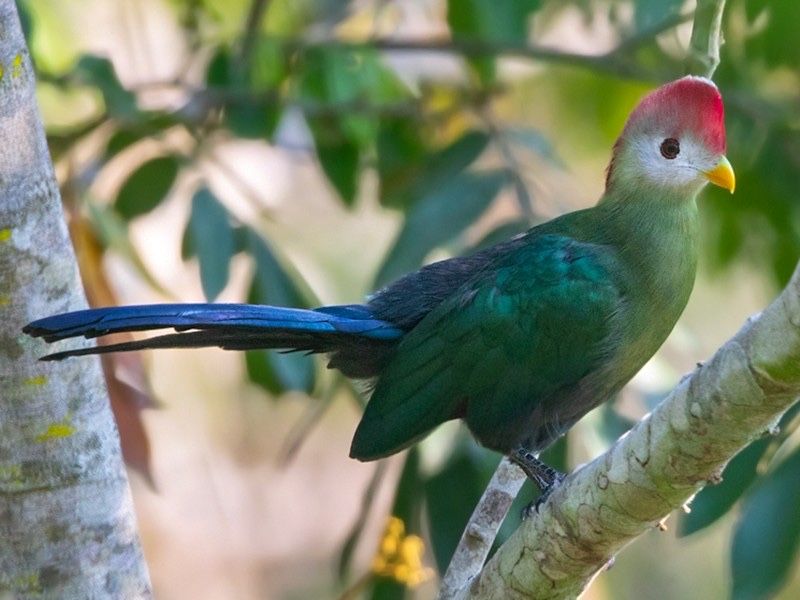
<point x="149" y="125"/>
<point x="99" y="72"/>
<point x="275" y="372"/>
<point x="767" y="535"/>
<point x="649" y="13"/>
<point x="490" y="21"/>
<point x="401" y="153"/>
<point x="408" y="171"/>
<point x="340" y="164"/>
<point x="407" y="503"/>
<point x="253" y="105"/>
<point x="439" y="217"/>
<point x="347" y="87"/>
<point x="218" y="70"/>
<point x="343" y="90"/>
<point x="763" y="220"/>
<point x="212" y="240"/>
<point x="268" y="66"/>
<point x="714" y="501"/>
<point x="278" y="372"/>
<point x="769" y="43"/>
<point x="120" y="140"/>
<point x="252" y="117"/>
<point x="147" y="186"/>
<point x="407" y="506"/>
<point x="451" y="495"/>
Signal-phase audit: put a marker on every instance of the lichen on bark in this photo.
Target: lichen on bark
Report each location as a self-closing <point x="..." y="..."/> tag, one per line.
<point x="67" y="528"/>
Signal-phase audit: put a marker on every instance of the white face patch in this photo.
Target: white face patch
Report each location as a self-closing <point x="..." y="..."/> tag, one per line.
<point x="643" y="160"/>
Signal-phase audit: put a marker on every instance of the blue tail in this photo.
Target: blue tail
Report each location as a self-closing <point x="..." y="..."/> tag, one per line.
<point x="336" y="329"/>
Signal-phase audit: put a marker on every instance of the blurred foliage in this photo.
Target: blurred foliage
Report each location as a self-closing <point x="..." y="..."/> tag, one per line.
<point x="441" y="159"/>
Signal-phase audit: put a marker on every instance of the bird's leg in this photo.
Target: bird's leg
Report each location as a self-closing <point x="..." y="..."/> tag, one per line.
<point x="545" y="477"/>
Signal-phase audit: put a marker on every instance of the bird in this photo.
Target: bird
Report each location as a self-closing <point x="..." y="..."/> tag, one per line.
<point x="518" y="340"/>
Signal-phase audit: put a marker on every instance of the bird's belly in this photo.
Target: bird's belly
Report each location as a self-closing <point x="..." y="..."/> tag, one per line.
<point x="537" y="422"/>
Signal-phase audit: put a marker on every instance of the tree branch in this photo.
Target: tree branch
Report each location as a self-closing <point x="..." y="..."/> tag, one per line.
<point x="478" y="537"/>
<point x="739" y="395"/>
<point x="706" y="37"/>
<point x="254" y="17"/>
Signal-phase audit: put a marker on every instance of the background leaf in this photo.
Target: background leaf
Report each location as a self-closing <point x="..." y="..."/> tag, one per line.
<point x="438" y="218"/>
<point x="146" y="187"/>
<point x="408" y="170"/>
<point x="340" y="163"/>
<point x="768" y="533"/>
<point x="714" y="501"/>
<point x="487" y="20"/>
<point x="99" y="72"/>
<point x="213" y="241"/>
<point x="275" y="372"/>
<point x="407" y="506"/>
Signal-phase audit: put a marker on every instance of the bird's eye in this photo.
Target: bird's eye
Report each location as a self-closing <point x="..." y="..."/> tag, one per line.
<point x="670" y="148"/>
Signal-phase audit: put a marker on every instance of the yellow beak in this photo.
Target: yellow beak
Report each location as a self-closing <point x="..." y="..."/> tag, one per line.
<point x="722" y="175"/>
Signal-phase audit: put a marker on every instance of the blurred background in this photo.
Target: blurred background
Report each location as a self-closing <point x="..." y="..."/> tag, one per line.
<point x="305" y="152"/>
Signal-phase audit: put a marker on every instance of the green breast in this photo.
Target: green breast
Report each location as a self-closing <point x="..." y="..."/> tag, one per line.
<point x="657" y="248"/>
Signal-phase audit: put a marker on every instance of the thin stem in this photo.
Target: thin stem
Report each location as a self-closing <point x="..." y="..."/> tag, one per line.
<point x="706" y="38"/>
<point x="254" y="18"/>
<point x="481" y="530"/>
<point x="512" y="164"/>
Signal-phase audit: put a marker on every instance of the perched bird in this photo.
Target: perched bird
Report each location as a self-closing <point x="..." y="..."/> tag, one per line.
<point x="519" y="340"/>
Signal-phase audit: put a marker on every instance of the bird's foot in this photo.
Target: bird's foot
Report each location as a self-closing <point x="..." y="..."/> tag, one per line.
<point x="546" y="478"/>
<point x="535" y="505"/>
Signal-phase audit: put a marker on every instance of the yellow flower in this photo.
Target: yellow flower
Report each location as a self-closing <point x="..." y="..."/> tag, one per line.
<point x="400" y="556"/>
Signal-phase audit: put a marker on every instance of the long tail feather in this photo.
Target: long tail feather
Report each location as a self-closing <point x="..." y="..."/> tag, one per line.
<point x="229" y="326"/>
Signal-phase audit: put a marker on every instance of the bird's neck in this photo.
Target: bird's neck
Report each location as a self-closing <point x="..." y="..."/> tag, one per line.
<point x="657" y="240"/>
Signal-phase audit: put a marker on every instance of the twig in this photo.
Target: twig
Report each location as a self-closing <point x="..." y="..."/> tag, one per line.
<point x="301" y="430"/>
<point x="367" y="500"/>
<point x="706" y="38"/>
<point x="512" y="164"/>
<point x="478" y="537"/>
<point x="614" y="61"/>
<point x="254" y="17"/>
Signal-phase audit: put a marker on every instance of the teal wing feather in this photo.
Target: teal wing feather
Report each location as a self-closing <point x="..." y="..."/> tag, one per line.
<point x="499" y="348"/>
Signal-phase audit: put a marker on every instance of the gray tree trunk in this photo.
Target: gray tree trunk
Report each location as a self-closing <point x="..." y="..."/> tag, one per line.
<point x="67" y="528"/>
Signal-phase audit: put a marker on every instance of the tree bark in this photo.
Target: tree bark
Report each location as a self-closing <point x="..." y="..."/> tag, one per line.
<point x="67" y="528"/>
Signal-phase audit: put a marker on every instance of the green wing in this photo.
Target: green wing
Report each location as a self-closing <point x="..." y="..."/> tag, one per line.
<point x="538" y="320"/>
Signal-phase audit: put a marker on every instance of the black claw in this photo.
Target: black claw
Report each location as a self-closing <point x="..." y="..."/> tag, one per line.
<point x="534" y="506"/>
<point x="543" y="476"/>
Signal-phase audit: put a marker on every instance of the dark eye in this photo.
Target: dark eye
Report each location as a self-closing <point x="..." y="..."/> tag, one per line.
<point x="670" y="148"/>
